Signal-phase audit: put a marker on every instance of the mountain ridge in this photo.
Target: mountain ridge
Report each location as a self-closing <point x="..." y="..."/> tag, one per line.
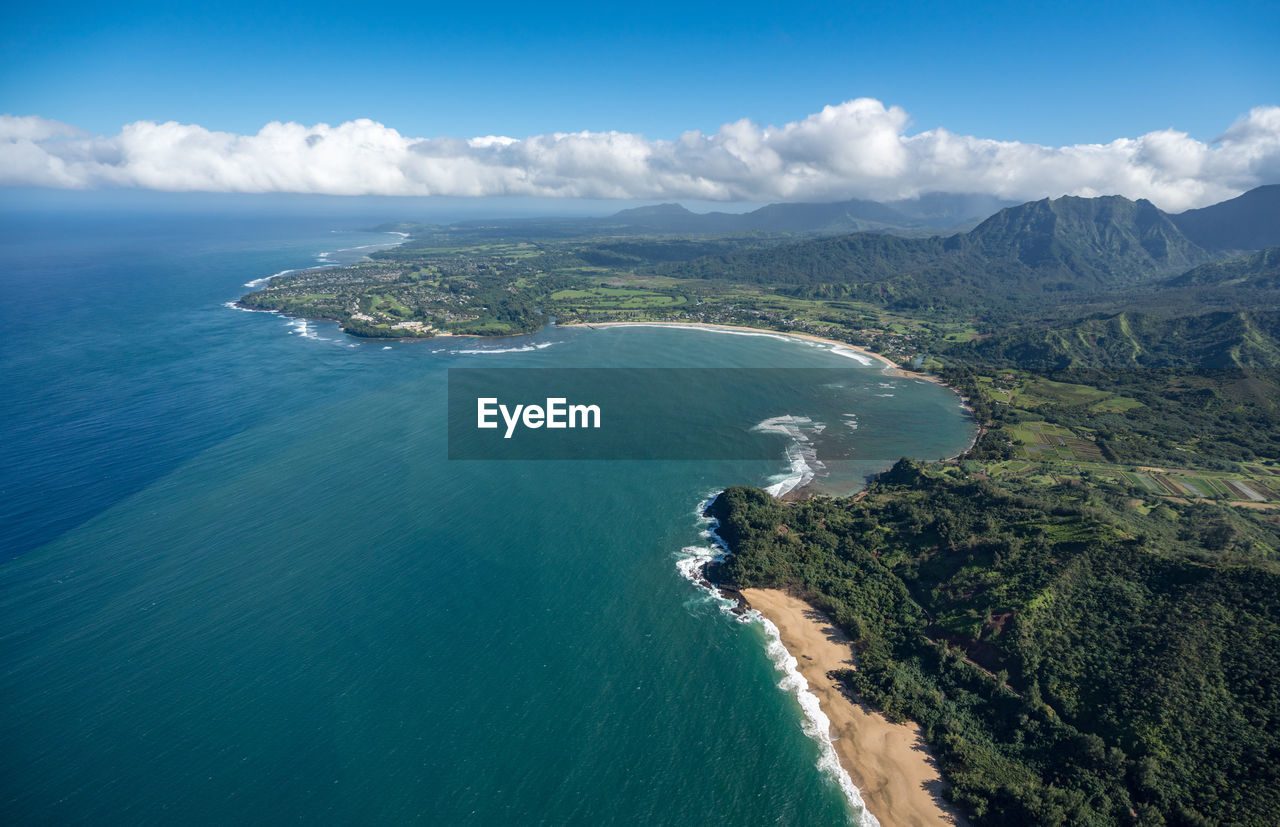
<point x="1047" y="246"/>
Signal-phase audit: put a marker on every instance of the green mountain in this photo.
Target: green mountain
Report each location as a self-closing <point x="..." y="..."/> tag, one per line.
<point x="1048" y="246"/>
<point x="844" y="216"/>
<point x="1107" y="241"/>
<point x="850" y="258"/>
<point x="1259" y="271"/>
<point x="1249" y="222"/>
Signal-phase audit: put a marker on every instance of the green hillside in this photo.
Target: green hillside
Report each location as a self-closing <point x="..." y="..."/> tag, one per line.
<point x="1088" y="242"/>
<point x="1212" y="341"/>
<point x="1259" y="271"/>
<point x="1072" y="661"/>
<point x="1019" y="255"/>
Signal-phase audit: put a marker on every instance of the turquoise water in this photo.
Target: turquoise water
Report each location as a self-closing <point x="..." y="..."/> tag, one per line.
<point x="244" y="583"/>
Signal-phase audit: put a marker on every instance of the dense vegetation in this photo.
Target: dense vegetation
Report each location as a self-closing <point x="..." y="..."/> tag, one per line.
<point x="1203" y="390"/>
<point x="412" y="296"/>
<point x="1072" y="660"/>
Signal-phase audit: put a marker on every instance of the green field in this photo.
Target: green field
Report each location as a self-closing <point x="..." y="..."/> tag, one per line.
<point x="1025" y="390"/>
<point x="616" y="298"/>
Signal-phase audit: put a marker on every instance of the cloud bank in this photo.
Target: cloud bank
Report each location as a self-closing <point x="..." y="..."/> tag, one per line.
<point x="857" y="149"/>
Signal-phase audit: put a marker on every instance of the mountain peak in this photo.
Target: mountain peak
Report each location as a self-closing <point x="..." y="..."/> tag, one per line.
<point x="1248" y="222"/>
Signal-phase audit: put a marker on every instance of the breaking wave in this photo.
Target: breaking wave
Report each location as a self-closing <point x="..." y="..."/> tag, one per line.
<point x="802" y="458"/>
<point x="521" y="349"/>
<point x="692" y="562"/>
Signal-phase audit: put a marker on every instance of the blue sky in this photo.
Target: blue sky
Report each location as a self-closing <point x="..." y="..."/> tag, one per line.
<point x="1046" y="73"/>
<point x="749" y="103"/>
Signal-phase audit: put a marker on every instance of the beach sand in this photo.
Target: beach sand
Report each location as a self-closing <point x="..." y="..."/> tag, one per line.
<point x="764" y="331"/>
<point x="890" y="368"/>
<point x="888" y="762"/>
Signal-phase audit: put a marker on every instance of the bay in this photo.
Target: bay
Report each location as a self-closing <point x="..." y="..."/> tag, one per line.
<point x="242" y="581"/>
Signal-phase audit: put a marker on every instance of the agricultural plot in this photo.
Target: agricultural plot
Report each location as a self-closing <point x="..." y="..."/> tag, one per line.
<point x="1143" y="481"/>
<point x="964" y="334"/>
<point x="995" y="390"/>
<point x="1029" y="391"/>
<point x="1250" y="490"/>
<point x="1200" y="485"/>
<point x="1041" y="441"/>
<point x="1007" y="468"/>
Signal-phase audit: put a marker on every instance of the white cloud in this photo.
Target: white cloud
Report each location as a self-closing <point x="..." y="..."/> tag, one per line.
<point x="859" y="148"/>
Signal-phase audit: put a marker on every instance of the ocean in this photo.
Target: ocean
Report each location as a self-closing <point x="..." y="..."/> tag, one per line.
<point x="242" y="581"/>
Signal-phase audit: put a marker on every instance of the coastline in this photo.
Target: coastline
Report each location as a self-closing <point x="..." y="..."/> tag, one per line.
<point x="890" y="368"/>
<point x="889" y="763"/>
<point x="889" y="364"/>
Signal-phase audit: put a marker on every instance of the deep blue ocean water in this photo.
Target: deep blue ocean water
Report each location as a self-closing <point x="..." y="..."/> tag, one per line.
<point x="242" y="582"/>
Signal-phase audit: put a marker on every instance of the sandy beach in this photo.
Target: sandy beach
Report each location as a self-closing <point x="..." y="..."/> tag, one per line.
<point x="763" y="331"/>
<point x="888" y="762"/>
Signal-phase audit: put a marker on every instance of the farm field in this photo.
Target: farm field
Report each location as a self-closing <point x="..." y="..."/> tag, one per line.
<point x="1025" y="390"/>
<point x="1045" y="452"/>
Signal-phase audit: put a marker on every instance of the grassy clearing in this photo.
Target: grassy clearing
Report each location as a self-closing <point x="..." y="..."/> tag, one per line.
<point x="616" y="298"/>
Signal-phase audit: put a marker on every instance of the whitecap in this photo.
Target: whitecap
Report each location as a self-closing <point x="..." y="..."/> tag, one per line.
<point x="691" y="562"/>
<point x="304" y="329"/>
<point x="521" y="349"/>
<point x="816" y="723"/>
<point x="802" y="459"/>
<point x="234" y="306"/>
<point x="849" y="353"/>
<point x="265" y="279"/>
<point x="803" y="468"/>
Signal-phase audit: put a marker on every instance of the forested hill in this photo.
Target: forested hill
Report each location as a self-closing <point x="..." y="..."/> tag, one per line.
<point x="1102" y="242"/>
<point x="858" y="258"/>
<point x="1258" y="271"/>
<point x="1072" y="660"/>
<point x="1210" y="341"/>
<point x="1066" y="244"/>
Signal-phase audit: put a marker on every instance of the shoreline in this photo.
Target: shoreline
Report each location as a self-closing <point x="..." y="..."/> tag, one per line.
<point x="890" y="764"/>
<point x="766" y="331"/>
<point x="890" y="367"/>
